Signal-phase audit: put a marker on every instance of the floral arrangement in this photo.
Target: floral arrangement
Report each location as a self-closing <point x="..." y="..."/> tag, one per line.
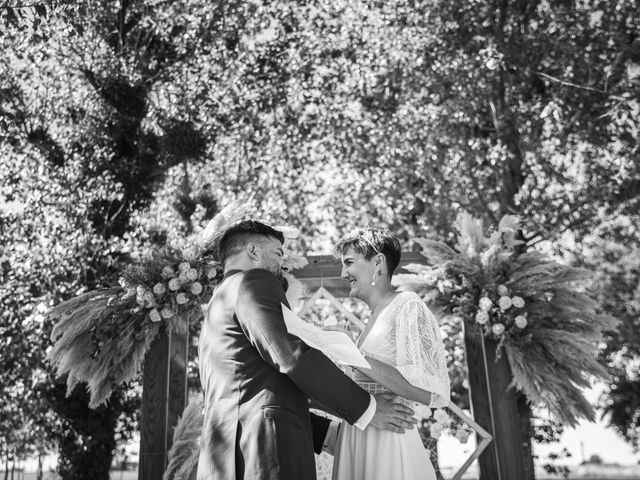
<point x="101" y="337"/>
<point x="439" y="420"/>
<point x="537" y="309"/>
<point x="501" y="311"/>
<point x="167" y="286"/>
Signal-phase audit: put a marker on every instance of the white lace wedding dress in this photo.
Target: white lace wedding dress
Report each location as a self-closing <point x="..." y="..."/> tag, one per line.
<point x="407" y="336"/>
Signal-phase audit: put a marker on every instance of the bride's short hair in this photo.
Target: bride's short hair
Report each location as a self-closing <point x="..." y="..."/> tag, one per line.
<point x="371" y="241"/>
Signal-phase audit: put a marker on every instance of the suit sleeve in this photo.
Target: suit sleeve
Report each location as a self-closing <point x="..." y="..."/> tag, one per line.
<point x="259" y="312"/>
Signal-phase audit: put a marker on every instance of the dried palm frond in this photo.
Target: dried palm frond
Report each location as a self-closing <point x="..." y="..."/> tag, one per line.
<point x="100" y="340"/>
<point x="234" y="212"/>
<point x="183" y="455"/>
<point x="553" y="357"/>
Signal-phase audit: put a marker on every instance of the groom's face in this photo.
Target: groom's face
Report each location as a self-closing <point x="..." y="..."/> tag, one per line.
<point x="271" y="255"/>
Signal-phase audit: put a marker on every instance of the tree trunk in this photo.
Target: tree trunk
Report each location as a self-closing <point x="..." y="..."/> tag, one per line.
<point x="39" y="475"/>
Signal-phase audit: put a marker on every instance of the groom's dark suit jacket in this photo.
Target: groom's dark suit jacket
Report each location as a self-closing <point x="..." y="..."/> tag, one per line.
<point x="257" y="379"/>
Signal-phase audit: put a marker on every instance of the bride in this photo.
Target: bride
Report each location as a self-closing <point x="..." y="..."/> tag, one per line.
<point x="403" y="345"/>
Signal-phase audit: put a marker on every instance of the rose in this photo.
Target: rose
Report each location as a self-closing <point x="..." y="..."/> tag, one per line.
<point x="497" y="329"/>
<point x="159" y="289"/>
<point x="129" y="293"/>
<point x="503" y="291"/>
<point x="184" y="267"/>
<point x="154" y="315"/>
<point x="330" y="321"/>
<point x="149" y="298"/>
<point x="518" y="302"/>
<point x="196" y="288"/>
<point x="504" y="303"/>
<point x="485" y="303"/>
<point x="212" y="273"/>
<point x="166" y="312"/>
<point x="482" y="317"/>
<point x="167" y="272"/>
<point x="174" y="284"/>
<point x="441" y="416"/>
<point x="140" y="290"/>
<point x="181" y="298"/>
<point x="462" y="435"/>
<point x="435" y="430"/>
<point x="183" y="277"/>
<point x="520" y="321"/>
<point x="192" y="274"/>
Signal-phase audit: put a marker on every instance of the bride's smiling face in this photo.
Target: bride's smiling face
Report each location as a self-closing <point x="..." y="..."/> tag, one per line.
<point x="359" y="272"/>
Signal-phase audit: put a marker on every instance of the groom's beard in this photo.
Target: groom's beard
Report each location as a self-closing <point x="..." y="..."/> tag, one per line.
<point x="283" y="281"/>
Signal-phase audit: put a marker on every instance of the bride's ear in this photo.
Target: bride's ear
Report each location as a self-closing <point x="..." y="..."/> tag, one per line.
<point x="381" y="262"/>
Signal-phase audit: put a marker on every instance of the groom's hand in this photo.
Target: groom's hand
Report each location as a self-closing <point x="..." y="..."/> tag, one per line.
<point x="392" y="416"/>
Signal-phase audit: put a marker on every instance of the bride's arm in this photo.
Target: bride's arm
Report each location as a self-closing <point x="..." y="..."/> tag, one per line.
<point x="391" y="378"/>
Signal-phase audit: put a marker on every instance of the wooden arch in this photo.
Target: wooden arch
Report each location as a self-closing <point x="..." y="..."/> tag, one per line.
<point x="165" y="390"/>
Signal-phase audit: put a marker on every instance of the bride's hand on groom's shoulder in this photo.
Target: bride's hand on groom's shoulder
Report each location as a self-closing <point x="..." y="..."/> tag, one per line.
<point x="391" y="415"/>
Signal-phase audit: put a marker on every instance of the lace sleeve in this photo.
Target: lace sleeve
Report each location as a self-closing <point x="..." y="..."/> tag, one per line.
<point x="420" y="354"/>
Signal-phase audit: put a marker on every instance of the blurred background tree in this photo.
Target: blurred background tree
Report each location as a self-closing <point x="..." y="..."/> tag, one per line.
<point x="126" y="124"/>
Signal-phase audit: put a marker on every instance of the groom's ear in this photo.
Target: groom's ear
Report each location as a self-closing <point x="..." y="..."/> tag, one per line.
<point x="252" y="250"/>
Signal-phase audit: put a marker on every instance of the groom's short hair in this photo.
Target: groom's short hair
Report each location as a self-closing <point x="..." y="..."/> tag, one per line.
<point x="237" y="237"/>
<point x="371" y="241"/>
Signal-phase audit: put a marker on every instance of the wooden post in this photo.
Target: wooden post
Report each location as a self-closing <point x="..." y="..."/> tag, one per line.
<point x="494" y="407"/>
<point x="164" y="397"/>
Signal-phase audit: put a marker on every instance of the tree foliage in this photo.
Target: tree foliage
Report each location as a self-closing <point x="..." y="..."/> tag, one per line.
<point x="124" y="124"/>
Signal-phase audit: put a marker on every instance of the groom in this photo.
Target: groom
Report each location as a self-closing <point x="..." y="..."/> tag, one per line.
<point x="257" y="378"/>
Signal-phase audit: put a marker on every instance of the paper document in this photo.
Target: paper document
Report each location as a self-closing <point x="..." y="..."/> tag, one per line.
<point x="336" y="345"/>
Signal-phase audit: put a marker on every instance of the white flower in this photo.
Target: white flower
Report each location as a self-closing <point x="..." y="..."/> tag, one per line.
<point x="518" y="302"/>
<point x="140" y="300"/>
<point x="181" y="298"/>
<point x="196" y="288"/>
<point x="498" y="329"/>
<point x="159" y="288"/>
<point x="192" y="274"/>
<point x="129" y="293"/>
<point x="482" y="317"/>
<point x="505" y="303"/>
<point x="183" y="277"/>
<point x="167" y="272"/>
<point x="520" y="321"/>
<point x="154" y="315"/>
<point x="441" y="416"/>
<point x="462" y="435"/>
<point x="330" y="321"/>
<point x="503" y="291"/>
<point x="140" y="290"/>
<point x="212" y="273"/>
<point x="485" y="303"/>
<point x="184" y="267"/>
<point x="435" y="430"/>
<point x="149" y="299"/>
<point x="166" y="312"/>
<point x="174" y="284"/>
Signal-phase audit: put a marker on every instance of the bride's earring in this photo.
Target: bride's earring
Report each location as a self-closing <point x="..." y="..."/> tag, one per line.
<point x="375" y="278"/>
